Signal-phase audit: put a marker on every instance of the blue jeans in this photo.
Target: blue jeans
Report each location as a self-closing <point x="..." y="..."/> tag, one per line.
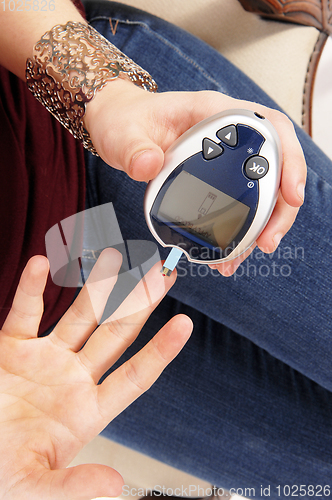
<point x="247" y="403"/>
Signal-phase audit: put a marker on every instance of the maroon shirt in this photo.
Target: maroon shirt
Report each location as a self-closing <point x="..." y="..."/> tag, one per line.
<point x="42" y="181"/>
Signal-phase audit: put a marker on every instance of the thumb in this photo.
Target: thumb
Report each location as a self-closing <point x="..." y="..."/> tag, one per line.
<point x="121" y="120"/>
<point x="82" y="482"/>
<point x="134" y="152"/>
<point x="146" y="163"/>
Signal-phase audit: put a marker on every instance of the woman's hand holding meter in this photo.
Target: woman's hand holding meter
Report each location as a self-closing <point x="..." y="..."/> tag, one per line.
<point x="147" y="124"/>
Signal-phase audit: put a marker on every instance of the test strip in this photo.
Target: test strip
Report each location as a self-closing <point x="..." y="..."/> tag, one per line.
<point x="171" y="261"/>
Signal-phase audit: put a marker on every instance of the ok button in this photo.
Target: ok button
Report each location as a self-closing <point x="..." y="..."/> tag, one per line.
<point x="256" y="167"/>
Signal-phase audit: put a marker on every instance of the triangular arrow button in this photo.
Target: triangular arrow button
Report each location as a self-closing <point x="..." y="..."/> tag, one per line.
<point x="211" y="149"/>
<point x="228" y="135"/>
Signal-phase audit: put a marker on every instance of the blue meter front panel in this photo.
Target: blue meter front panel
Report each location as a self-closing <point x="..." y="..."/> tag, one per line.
<point x="209" y="201"/>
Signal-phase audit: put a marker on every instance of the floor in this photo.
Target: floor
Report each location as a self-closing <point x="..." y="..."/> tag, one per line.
<point x="142" y="472"/>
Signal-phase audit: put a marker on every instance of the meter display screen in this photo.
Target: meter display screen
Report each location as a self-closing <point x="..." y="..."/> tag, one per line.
<point x="196" y="207"/>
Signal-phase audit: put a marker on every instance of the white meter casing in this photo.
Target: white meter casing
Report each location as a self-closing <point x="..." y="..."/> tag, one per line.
<point x="217" y="188"/>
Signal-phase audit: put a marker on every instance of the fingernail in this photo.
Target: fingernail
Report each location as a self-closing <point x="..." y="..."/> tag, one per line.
<point x="276" y="239"/>
<point x="300" y="191"/>
<point x="136" y="155"/>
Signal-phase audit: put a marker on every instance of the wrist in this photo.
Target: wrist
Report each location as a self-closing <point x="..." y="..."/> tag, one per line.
<point x="115" y="93"/>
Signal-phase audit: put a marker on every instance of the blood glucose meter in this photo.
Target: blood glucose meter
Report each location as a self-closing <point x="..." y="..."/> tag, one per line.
<point x="217" y="189"/>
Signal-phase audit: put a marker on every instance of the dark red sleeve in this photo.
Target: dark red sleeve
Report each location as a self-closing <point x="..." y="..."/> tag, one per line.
<point x="79" y="7"/>
<point x="42" y="182"/>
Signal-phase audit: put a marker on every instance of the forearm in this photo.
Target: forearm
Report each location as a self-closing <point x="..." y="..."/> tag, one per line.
<point x="20" y="30"/>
